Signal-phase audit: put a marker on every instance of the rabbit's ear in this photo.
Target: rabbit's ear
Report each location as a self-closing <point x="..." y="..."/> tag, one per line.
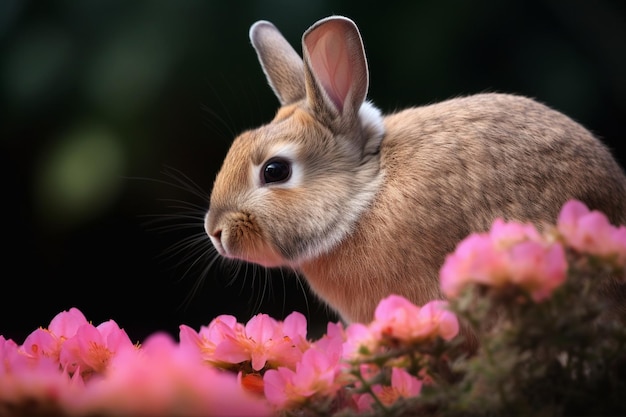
<point x="281" y="64"/>
<point x="335" y="68"/>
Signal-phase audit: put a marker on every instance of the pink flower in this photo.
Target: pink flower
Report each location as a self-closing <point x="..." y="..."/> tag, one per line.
<point x="591" y="232"/>
<point x="163" y="379"/>
<point x="360" y="340"/>
<point x="48" y="342"/>
<point x="397" y="317"/>
<point x="403" y="385"/>
<point x="8" y="350"/>
<point x="510" y="253"/>
<point x="209" y="337"/>
<point x="265" y="341"/>
<point x="474" y="260"/>
<point x="435" y="314"/>
<point x="42" y="343"/>
<point x="91" y="348"/>
<point x="538" y="268"/>
<point x="332" y="342"/>
<point x="32" y="380"/>
<point x="65" y="324"/>
<point x="315" y="374"/>
<point x="506" y="234"/>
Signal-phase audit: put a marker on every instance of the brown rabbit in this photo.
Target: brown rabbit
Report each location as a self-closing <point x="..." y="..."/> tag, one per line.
<point x="365" y="205"/>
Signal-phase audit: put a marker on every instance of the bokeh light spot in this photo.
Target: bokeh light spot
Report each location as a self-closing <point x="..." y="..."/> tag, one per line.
<point x="79" y="177"/>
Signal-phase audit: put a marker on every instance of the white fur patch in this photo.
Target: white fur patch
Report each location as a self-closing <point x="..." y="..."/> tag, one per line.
<point x="372" y="118"/>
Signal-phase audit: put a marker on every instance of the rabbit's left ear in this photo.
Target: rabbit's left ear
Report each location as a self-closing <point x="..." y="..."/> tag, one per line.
<point x="281" y="64"/>
<point x="335" y="68"/>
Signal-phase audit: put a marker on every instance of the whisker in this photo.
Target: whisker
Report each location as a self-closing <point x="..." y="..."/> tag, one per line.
<point x="184" y="182"/>
<point x="225" y="123"/>
<point x="197" y="285"/>
<point x="256" y="305"/>
<point x="190" y="247"/>
<point x="164" y="228"/>
<point x="282" y="277"/>
<point x="191" y="253"/>
<point x="249" y="92"/>
<point x="236" y="274"/>
<point x="222" y="128"/>
<point x="168" y="222"/>
<point x="268" y="292"/>
<point x="198" y="209"/>
<point x="303" y="289"/>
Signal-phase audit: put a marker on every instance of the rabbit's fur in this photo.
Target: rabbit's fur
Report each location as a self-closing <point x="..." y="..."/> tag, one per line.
<point x="374" y="203"/>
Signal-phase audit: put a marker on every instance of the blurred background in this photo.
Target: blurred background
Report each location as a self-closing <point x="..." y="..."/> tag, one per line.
<point x="115" y="117"/>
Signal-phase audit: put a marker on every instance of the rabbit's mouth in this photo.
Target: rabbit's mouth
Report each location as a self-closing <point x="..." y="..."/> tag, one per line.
<point x="265" y="257"/>
<point x="238" y="238"/>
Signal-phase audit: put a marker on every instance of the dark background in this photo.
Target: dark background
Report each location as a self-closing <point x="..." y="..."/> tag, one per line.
<point x="116" y="115"/>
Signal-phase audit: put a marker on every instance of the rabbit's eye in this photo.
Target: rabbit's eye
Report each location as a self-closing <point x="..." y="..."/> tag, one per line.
<point x="276" y="170"/>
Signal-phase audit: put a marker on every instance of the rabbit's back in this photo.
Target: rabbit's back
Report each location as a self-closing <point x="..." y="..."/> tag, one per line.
<point x="498" y="155"/>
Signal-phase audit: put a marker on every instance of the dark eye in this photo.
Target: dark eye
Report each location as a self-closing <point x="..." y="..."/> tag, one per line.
<point x="276" y="170"/>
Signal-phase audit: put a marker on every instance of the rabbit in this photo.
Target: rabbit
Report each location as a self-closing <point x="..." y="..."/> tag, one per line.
<point x="364" y="205"/>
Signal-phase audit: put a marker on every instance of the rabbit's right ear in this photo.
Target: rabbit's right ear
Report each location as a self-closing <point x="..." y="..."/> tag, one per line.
<point x="336" y="71"/>
<point x="281" y="64"/>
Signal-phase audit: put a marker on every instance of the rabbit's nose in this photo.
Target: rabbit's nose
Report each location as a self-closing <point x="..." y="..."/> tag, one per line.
<point x="216" y="239"/>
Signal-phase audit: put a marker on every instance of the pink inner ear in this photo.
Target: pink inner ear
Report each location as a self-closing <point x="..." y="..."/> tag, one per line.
<point x="331" y="63"/>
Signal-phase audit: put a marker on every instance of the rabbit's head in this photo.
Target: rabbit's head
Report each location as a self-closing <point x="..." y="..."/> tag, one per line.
<point x="294" y="188"/>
